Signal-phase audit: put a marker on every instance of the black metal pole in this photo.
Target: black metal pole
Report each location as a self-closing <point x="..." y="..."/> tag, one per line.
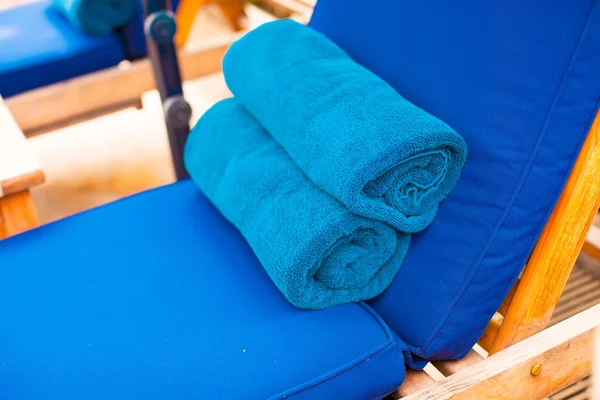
<point x="160" y="29"/>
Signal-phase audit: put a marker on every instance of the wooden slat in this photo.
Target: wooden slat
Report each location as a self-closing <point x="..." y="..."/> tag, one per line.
<point x="19" y="170"/>
<point x="578" y="296"/>
<point x="413" y="382"/>
<point x="564" y="351"/>
<point x="17" y="214"/>
<point x="508" y="299"/>
<point x="572" y="390"/>
<point x="480" y="350"/>
<point x="573" y="284"/>
<point x="185" y="17"/>
<point x="451" y="367"/>
<point x="580" y="283"/>
<point x="432" y="371"/>
<point x="491" y="331"/>
<point x="233" y="10"/>
<point x="289" y="6"/>
<point x="595" y="380"/>
<point x="577" y="281"/>
<point x="577" y="272"/>
<point x="585" y="304"/>
<point x="310" y="3"/>
<point x="580" y="396"/>
<point x="37" y="110"/>
<point x="556" y="250"/>
<point x="576" y="292"/>
<point x="592" y="243"/>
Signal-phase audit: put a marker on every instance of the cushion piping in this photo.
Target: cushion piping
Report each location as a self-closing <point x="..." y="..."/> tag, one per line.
<point x="514" y="195"/>
<point x="389" y="342"/>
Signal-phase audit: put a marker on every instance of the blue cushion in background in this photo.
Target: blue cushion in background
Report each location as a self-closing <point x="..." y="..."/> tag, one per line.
<point x="158" y="296"/>
<point x="520" y="81"/>
<point x="40" y="47"/>
<point x="97" y="17"/>
<point x="133" y="36"/>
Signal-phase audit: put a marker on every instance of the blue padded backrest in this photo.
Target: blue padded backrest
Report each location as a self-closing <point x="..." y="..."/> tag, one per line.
<point x="520" y="80"/>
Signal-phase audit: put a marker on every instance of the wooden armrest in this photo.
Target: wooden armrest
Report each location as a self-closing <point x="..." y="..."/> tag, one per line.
<point x="19" y="170"/>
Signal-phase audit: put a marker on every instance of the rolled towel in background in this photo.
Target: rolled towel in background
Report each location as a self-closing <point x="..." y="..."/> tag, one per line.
<point x="317" y="252"/>
<point x="348" y="130"/>
<point x="97" y="17"/>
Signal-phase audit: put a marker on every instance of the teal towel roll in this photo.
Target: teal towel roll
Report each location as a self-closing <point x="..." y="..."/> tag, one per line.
<point x="97" y="17"/>
<point x="317" y="252"/>
<point x="349" y="131"/>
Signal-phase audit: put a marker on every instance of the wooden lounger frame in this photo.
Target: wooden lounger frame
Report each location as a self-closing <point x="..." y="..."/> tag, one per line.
<point x="19" y="172"/>
<point x="104" y="91"/>
<point x="518" y="357"/>
<point x="122" y="86"/>
<point x="232" y="10"/>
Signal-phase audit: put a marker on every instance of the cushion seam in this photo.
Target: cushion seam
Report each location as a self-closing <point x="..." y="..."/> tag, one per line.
<point x="375" y="396"/>
<point x="547" y="215"/>
<point x="349" y="365"/>
<point x="514" y="193"/>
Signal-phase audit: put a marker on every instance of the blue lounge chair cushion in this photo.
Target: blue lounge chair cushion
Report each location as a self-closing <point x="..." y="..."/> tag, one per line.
<point x="97" y="17"/>
<point x="520" y="81"/>
<point x="40" y="47"/>
<point x="157" y="296"/>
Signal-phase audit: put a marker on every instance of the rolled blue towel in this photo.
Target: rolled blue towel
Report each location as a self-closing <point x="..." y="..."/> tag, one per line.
<point x="317" y="252"/>
<point x="347" y="129"/>
<point x="97" y="17"/>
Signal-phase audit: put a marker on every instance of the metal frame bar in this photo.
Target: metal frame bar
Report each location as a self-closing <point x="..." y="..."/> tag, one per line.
<point x="160" y="29"/>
